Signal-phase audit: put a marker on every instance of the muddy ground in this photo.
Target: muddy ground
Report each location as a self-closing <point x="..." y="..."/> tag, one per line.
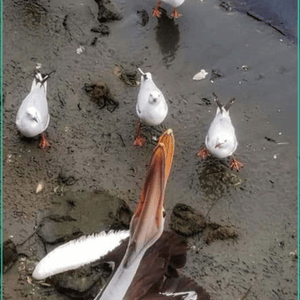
<point x="92" y="148"/>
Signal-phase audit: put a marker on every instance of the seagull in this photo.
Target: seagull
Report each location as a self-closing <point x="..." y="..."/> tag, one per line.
<point x="220" y="140"/>
<point x="147" y="260"/>
<point x="151" y="105"/>
<point x="175" y="3"/>
<point x="33" y="115"/>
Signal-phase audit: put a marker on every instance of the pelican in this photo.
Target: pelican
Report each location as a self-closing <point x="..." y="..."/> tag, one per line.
<point x="33" y="115"/>
<point x="220" y="140"/>
<point x="151" y="105"/>
<point x="140" y="274"/>
<point x="175" y="3"/>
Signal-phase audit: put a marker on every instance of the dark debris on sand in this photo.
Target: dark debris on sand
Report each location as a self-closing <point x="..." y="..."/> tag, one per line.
<point x="100" y="94"/>
<point x="186" y="221"/>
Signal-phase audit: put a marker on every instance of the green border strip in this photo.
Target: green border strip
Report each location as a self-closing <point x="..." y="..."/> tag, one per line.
<point x="298" y="144"/>
<point x="1" y="178"/>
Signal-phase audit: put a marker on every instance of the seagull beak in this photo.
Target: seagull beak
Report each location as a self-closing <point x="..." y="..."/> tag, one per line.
<point x="142" y="73"/>
<point x="219" y="145"/>
<point x="147" y="223"/>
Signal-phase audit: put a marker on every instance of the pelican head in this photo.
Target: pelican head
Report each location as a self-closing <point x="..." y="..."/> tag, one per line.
<point x="147" y="223"/>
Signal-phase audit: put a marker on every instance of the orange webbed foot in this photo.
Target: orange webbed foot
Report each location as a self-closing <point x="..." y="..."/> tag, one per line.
<point x="175" y="14"/>
<point x="203" y="153"/>
<point x="235" y="164"/>
<point x="156" y="12"/>
<point x="44" y="144"/>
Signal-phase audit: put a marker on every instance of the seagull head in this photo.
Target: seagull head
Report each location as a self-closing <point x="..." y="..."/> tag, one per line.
<point x="145" y="76"/>
<point x="154" y="97"/>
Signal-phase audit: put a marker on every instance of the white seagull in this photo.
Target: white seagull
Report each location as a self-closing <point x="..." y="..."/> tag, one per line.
<point x="33" y="115"/>
<point x="220" y="140"/>
<point x="175" y="3"/>
<point x="151" y="105"/>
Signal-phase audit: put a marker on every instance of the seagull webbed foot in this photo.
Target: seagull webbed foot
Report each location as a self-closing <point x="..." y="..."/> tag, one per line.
<point x="156" y="12"/>
<point x="175" y="14"/>
<point x="44" y="144"/>
<point x="235" y="164"/>
<point x="203" y="153"/>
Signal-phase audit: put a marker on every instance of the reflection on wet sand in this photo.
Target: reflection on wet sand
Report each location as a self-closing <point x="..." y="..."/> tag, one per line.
<point x="167" y="37"/>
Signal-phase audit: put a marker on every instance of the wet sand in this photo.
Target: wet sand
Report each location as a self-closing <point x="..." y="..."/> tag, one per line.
<point x="92" y="148"/>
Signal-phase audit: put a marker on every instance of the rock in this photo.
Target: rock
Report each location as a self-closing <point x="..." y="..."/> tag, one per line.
<point x="186" y="221"/>
<point x="220" y="232"/>
<point x="82" y="283"/>
<point x="57" y="229"/>
<point x="10" y="255"/>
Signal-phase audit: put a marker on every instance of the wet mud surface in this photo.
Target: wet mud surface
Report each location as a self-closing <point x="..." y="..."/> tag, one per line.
<point x="92" y="175"/>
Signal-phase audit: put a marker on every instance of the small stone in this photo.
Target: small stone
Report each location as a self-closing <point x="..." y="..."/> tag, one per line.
<point x="39" y="187"/>
<point x="10" y="255"/>
<point x="201" y="75"/>
<point x="245" y="68"/>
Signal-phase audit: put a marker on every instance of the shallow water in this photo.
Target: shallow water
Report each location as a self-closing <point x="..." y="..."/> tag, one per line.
<point x="94" y="146"/>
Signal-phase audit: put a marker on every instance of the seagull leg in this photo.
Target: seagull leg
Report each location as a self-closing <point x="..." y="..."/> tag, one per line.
<point x="44" y="144"/>
<point x="235" y="164"/>
<point x="203" y="153"/>
<point x="139" y="140"/>
<point x="156" y="12"/>
<point x="175" y="14"/>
